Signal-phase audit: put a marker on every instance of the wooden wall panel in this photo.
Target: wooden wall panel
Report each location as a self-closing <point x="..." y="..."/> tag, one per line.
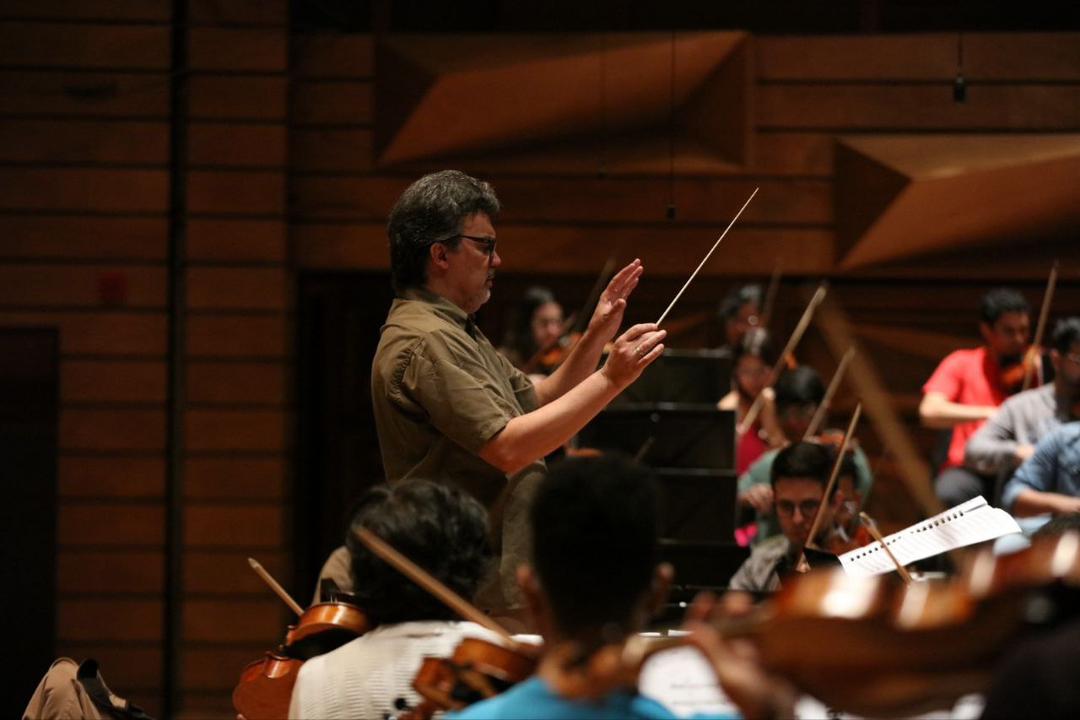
<point x="84" y="190"/>
<point x="333" y="102"/>
<point x="62" y="45"/>
<point x="110" y="619"/>
<point x="111" y="476"/>
<point x="236" y="145"/>
<point x="236" y="383"/>
<point x="66" y="286"/>
<point x="211" y="240"/>
<point x="903" y="107"/>
<point x="117" y="10"/>
<point x="242" y="50"/>
<point x="236" y="288"/>
<point x="235" y="478"/>
<point x="324" y="56"/>
<point x="231" y="13"/>
<point x="102" y="572"/>
<point x="104" y="381"/>
<point x="222" y="573"/>
<point x="228" y="526"/>
<point x="112" y="429"/>
<point x="244" y="430"/>
<point x="91" y="525"/>
<point x="83" y="141"/>
<point x="99" y="333"/>
<point x="63" y="94"/>
<point x="225" y="335"/>
<point x="237" y="97"/>
<point x="41" y="237"/>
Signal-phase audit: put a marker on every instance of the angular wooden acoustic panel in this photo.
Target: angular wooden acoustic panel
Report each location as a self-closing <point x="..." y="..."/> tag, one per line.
<point x="899" y="196"/>
<point x="501" y="97"/>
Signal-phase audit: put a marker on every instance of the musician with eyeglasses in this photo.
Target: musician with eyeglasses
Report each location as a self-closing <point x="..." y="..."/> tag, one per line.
<point x="799" y="475"/>
<point x="447" y="405"/>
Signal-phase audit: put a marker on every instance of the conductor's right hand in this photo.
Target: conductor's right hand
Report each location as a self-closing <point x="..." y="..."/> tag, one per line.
<point x="632" y="352"/>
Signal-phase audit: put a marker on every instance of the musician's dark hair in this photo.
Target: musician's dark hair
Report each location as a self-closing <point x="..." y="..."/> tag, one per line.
<point x="439" y="527"/>
<point x="432" y="210"/>
<point x="801" y="386"/>
<point x="1066" y="332"/>
<point x="519" y="337"/>
<point x="595" y="548"/>
<point x="802" y="460"/>
<point x="999" y="301"/>
<point x="756" y="343"/>
<point x="737" y="297"/>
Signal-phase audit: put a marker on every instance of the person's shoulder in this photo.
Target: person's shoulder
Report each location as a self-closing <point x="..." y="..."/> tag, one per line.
<point x="964" y="356"/>
<point x="529" y="695"/>
<point x="774" y="546"/>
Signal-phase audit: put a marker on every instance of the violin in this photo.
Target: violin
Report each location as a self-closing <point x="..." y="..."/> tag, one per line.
<point x="1029" y="369"/>
<point x="266" y="685"/>
<point x="477" y="670"/>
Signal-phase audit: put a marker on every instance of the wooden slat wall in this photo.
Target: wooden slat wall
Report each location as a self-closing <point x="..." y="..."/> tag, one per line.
<point x="84" y="153"/>
<point x="239" y="305"/>
<point x="84" y="165"/>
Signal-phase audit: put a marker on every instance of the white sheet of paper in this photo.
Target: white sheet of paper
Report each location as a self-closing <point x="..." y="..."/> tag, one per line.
<point x="682" y="680"/>
<point x="966" y="524"/>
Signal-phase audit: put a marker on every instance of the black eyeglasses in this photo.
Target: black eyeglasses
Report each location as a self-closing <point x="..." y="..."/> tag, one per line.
<point x="487" y="242"/>
<point x="808" y="508"/>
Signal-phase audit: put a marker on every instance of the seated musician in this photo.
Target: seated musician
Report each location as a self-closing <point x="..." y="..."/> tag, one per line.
<point x="798" y="394"/>
<point x="594" y="580"/>
<point x="536" y="325"/>
<point x="739" y="312"/>
<point x="443" y="530"/>
<point x="800" y="473"/>
<point x="749" y="374"/>
<point x="1008" y="438"/>
<point x="968" y="386"/>
<point x="1049" y="481"/>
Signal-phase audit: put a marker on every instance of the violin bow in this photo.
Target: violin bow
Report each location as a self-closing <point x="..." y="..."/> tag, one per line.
<point x="706" y="258"/>
<point x="793" y="341"/>
<point x="275" y="586"/>
<point x="770" y="297"/>
<point x="871" y="527"/>
<point x="1040" y="328"/>
<point x="424" y="579"/>
<point x="819" y="516"/>
<point x="823" y="407"/>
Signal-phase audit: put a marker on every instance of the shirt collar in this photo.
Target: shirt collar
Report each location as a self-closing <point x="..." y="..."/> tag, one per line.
<point x="442" y="307"/>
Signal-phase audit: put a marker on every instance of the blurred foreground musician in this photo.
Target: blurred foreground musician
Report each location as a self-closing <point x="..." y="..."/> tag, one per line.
<point x="447" y="405"/>
<point x="594" y="581"/>
<point x="443" y="530"/>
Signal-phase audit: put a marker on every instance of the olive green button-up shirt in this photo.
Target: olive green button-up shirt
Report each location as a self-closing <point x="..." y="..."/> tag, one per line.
<point x="440" y="392"/>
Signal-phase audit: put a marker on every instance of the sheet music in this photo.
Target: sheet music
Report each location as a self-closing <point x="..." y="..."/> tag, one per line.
<point x="966" y="524"/>
<point x="682" y="680"/>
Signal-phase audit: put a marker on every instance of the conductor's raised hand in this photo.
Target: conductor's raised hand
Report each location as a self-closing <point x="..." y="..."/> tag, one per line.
<point x="632" y="352"/>
<point x="608" y="315"/>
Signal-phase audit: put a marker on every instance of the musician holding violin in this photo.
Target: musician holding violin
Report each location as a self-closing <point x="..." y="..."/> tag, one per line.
<point x="445" y="531"/>
<point x="799" y="475"/>
<point x="1010" y="436"/>
<point x="969" y="386"/>
<point x="535" y="342"/>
